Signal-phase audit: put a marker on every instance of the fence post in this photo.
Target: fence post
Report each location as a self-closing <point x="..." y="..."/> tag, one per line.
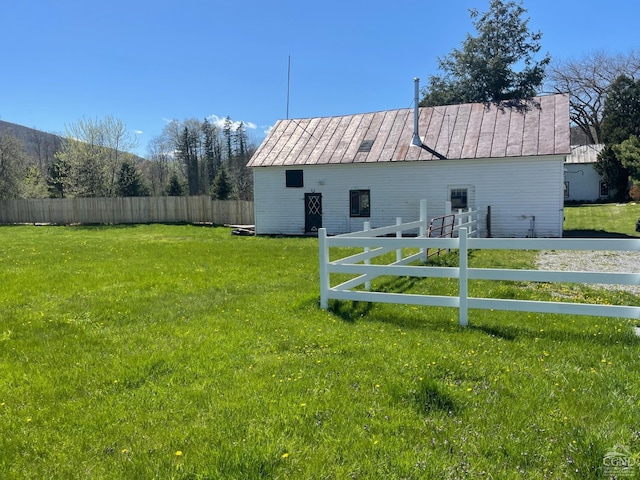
<point x="463" y="292"/>
<point x="366" y="228"/>
<point x="424" y="225"/>
<point x="323" y="255"/>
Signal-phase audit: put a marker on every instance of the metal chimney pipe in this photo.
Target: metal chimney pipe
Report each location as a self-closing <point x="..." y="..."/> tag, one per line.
<point x="416" y="113"/>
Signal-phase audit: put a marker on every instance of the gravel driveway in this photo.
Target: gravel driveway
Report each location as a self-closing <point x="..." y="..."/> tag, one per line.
<point x="602" y="261"/>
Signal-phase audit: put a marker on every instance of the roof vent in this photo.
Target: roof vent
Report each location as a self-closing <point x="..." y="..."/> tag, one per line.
<point x="365" y="146"/>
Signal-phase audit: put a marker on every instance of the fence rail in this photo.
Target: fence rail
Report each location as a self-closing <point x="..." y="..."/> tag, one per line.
<point x="359" y="265"/>
<point x="118" y="210"/>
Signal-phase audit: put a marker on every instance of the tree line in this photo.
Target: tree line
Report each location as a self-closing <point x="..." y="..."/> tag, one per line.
<point x="94" y="159"/>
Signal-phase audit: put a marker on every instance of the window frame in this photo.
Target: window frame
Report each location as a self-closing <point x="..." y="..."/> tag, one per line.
<point x="361" y="211"/>
<point x="294" y="178"/>
<point x="466" y="197"/>
<point x="604" y="187"/>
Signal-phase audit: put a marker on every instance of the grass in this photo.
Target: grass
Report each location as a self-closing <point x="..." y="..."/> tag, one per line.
<point x="609" y="218"/>
<point x="184" y="352"/>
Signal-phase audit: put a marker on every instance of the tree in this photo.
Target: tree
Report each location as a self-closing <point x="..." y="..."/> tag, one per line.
<point x="628" y="152"/>
<point x="241" y="176"/>
<point x="485" y="68"/>
<point x="160" y="155"/>
<point x="212" y="151"/>
<point x="587" y="80"/>
<point x="94" y="151"/>
<point x="222" y="187"/>
<point x="187" y="154"/>
<point x="11" y="161"/>
<point x="621" y="120"/>
<point x="58" y="178"/>
<point x="176" y="187"/>
<point x="130" y="181"/>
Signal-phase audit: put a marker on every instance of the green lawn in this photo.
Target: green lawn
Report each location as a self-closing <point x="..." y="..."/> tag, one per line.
<point x="609" y="217"/>
<point x="184" y="352"/>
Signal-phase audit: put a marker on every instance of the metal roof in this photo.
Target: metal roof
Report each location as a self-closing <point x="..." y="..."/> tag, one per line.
<point x="584" y="153"/>
<point x="465" y="131"/>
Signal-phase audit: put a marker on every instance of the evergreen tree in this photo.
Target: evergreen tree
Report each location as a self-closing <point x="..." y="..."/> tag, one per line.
<point x="186" y="152"/>
<point x="485" y="68"/>
<point x="227" y="133"/>
<point x="130" y="181"/>
<point x="621" y="120"/>
<point x="58" y="178"/>
<point x="222" y="187"/>
<point x="212" y="162"/>
<point x="176" y="187"/>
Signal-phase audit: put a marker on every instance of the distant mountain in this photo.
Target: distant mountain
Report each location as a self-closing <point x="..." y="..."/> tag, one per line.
<point x="38" y="145"/>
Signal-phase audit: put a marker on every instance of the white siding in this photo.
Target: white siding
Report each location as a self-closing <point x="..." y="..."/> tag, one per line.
<point x="584" y="182"/>
<point x="522" y="192"/>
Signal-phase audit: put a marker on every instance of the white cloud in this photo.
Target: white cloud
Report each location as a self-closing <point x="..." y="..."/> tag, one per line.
<point x="138" y="132"/>
<point x="219" y="122"/>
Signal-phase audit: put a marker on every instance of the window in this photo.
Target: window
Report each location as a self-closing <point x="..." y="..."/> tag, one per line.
<point x="294" y="178"/>
<point x="566" y="189"/>
<point x="459" y="198"/>
<point x="604" y="190"/>
<point x="360" y="203"/>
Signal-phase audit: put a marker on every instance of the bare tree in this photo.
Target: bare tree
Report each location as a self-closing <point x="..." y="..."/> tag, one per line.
<point x="587" y="81"/>
<point x="160" y="152"/>
<point x="94" y="151"/>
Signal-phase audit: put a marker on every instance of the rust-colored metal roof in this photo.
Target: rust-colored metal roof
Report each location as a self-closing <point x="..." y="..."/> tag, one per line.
<point x="454" y="131"/>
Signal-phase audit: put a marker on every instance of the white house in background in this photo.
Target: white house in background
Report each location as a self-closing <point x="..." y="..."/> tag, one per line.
<point x="338" y="172"/>
<point x="581" y="181"/>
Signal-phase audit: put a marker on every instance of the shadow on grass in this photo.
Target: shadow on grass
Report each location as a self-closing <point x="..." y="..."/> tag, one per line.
<point x="531" y="333"/>
<point x="350" y="311"/>
<point x="430" y="399"/>
<point x="594" y="234"/>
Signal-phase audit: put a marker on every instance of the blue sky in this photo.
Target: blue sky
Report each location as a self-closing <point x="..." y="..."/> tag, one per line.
<point x="148" y="62"/>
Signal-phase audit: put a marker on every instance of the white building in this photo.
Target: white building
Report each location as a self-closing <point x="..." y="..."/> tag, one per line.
<point x="581" y="181"/>
<point x="338" y="172"/>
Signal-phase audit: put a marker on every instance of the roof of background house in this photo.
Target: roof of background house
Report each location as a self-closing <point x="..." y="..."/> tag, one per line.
<point x="584" y="153"/>
<point x="455" y="131"/>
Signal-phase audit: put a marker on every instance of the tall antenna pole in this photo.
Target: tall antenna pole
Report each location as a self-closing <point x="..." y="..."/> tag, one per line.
<point x="288" y="84"/>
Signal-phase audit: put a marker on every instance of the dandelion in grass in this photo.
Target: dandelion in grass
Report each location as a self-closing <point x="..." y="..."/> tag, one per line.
<point x="284" y="455"/>
<point x="179" y="453"/>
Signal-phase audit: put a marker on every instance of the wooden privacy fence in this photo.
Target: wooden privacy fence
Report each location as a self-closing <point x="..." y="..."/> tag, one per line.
<point x="117" y="210"/>
<point x="374" y="246"/>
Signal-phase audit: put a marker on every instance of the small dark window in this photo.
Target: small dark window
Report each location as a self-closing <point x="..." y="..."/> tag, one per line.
<point x="294" y="178"/>
<point x="360" y="203"/>
<point x="459" y="198"/>
<point x="566" y="189"/>
<point x="604" y="190"/>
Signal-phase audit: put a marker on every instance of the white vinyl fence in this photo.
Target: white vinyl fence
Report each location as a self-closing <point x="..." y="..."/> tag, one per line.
<point x="374" y="246"/>
<point x="118" y="210"/>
